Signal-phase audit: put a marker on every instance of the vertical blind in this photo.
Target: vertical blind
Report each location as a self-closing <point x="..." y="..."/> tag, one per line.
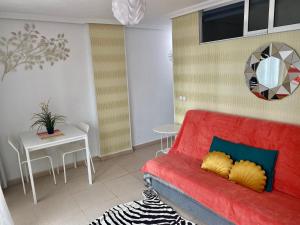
<point x="108" y="55"/>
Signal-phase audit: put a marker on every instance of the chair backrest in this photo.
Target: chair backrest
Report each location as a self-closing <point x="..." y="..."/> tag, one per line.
<point x="83" y="126"/>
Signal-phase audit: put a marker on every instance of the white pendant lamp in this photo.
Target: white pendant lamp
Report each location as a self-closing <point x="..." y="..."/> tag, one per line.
<point x="129" y="12"/>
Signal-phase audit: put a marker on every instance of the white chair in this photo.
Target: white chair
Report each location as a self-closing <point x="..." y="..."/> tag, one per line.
<point x="76" y="147"/>
<point x="34" y="156"/>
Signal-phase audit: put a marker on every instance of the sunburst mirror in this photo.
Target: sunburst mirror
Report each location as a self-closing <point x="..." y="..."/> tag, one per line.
<point x="273" y="71"/>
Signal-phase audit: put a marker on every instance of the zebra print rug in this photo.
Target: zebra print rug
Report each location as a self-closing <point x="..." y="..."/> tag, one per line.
<point x="151" y="210"/>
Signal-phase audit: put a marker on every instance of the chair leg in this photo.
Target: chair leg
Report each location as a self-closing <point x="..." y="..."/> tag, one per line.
<point x="57" y="163"/>
<point x="75" y="160"/>
<point x="64" y="167"/>
<point x="49" y="166"/>
<point x="92" y="165"/>
<point x="52" y="169"/>
<point x="22" y="178"/>
<point x="26" y="169"/>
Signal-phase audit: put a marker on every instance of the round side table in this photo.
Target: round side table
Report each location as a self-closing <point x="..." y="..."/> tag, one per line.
<point x="166" y="131"/>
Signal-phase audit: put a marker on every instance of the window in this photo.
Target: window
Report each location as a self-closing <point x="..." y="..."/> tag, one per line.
<point x="286" y="12"/>
<point x="256" y="16"/>
<point x="223" y="23"/>
<point x="279" y="15"/>
<point x="248" y="17"/>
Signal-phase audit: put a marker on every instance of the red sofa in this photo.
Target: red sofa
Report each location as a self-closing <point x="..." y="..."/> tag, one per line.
<point x="239" y="205"/>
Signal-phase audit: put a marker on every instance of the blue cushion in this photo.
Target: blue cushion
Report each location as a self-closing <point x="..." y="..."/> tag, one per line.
<point x="265" y="158"/>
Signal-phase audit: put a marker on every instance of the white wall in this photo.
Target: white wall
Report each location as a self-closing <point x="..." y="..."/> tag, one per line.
<point x="69" y="84"/>
<point x="150" y="79"/>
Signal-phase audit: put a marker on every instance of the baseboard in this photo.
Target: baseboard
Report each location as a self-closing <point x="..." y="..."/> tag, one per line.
<point x="145" y="145"/>
<point x="128" y="151"/>
<point x="116" y="154"/>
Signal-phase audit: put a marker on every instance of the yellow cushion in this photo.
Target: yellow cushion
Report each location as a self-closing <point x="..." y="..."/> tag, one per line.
<point x="248" y="174"/>
<point x="217" y="162"/>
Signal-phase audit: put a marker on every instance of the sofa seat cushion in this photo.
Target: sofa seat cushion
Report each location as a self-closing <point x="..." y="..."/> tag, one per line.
<point x="237" y="204"/>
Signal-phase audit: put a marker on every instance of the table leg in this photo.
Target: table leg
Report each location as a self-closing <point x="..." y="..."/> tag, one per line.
<point x="88" y="160"/>
<point x="31" y="176"/>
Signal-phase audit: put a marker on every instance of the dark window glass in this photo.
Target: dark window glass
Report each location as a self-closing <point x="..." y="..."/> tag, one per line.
<point x="287" y="12"/>
<point x="258" y="15"/>
<point x="223" y="23"/>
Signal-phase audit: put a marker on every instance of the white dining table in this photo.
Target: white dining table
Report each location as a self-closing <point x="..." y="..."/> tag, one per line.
<point x="32" y="142"/>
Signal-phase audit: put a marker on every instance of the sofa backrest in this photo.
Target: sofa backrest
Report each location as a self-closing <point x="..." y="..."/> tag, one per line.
<point x="199" y="127"/>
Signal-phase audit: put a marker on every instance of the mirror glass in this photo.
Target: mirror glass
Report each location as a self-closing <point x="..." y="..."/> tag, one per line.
<point x="273" y="71"/>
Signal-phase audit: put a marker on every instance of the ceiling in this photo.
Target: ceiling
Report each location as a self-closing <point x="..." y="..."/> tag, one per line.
<point x="157" y="11"/>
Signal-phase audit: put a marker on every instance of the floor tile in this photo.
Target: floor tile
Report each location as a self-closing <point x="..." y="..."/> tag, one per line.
<point x="96" y="209"/>
<point x="76" y="218"/>
<point x="95" y="194"/>
<point x="109" y="171"/>
<point x="124" y="185"/>
<point x="139" y="175"/>
<point x="56" y="208"/>
<point x="22" y="212"/>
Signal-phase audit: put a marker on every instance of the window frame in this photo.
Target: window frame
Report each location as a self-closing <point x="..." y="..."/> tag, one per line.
<point x="200" y="12"/>
<point x="271" y="28"/>
<point x="248" y="33"/>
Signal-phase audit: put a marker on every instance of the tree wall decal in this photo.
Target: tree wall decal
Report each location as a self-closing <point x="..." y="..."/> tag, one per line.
<point x="30" y="48"/>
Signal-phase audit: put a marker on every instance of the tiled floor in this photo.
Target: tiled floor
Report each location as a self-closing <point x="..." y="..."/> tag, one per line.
<point x="116" y="181"/>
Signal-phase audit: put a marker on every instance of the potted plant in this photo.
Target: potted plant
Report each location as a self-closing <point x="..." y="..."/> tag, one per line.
<point x="46" y="119"/>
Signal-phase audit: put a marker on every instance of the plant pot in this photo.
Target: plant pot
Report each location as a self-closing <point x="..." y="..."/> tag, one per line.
<point x="50" y="130"/>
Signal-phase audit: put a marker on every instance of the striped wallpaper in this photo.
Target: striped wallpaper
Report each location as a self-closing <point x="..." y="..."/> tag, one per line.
<point x="211" y="75"/>
<point x="108" y="54"/>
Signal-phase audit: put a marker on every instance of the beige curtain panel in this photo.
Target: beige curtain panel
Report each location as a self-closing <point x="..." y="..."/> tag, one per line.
<point x="108" y="54"/>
